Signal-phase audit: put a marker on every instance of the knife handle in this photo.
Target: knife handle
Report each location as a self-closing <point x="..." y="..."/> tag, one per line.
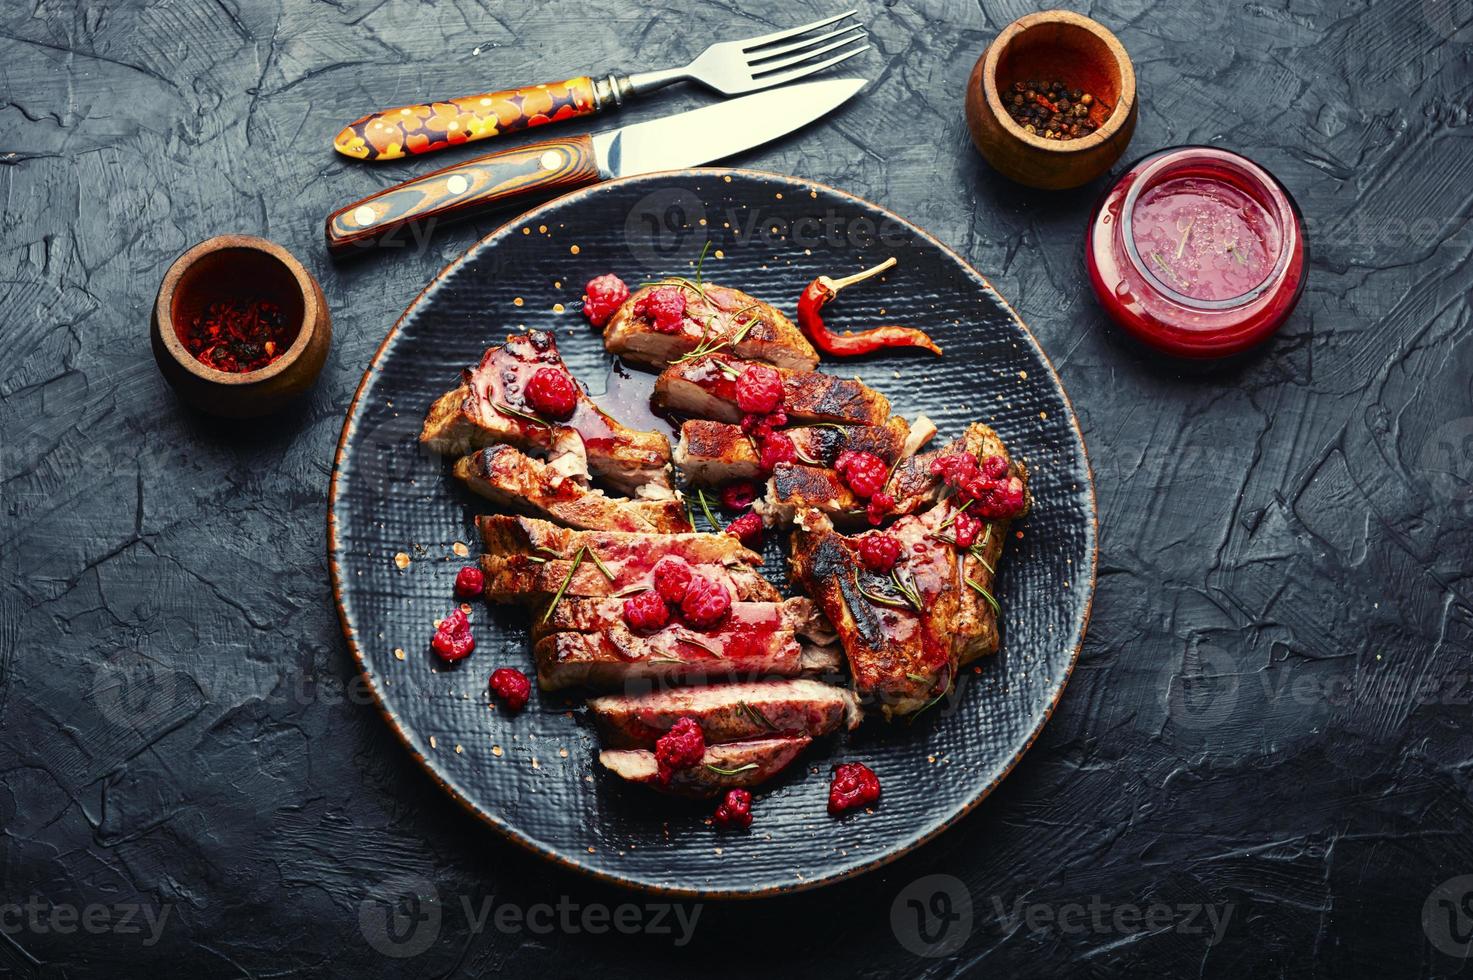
<point x="465" y="188"/>
<point x="411" y="130"/>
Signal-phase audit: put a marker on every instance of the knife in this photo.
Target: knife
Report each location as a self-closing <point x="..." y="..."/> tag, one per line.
<point x="686" y="139"/>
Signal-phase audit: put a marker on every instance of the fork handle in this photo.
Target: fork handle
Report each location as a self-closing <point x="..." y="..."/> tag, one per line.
<point x="393" y="134"/>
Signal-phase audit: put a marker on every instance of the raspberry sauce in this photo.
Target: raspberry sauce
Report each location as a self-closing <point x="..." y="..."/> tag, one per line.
<point x="1197" y="252"/>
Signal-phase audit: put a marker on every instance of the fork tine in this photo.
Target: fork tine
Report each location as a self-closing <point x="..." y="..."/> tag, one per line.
<point x="757" y="42"/>
<point x="807" y="42"/>
<point x="807" y="54"/>
<point x="803" y="71"/>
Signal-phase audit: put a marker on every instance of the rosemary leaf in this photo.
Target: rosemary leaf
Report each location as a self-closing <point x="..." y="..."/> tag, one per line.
<point x="567" y="580"/>
<point x="518" y="414"/>
<point x="706" y="509"/>
<point x="756" y="715"/>
<point x="601" y="566"/>
<point x="731" y="772"/>
<point x="996" y="609"/>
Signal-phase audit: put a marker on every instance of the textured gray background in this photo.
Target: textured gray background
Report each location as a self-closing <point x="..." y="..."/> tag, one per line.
<point x="1271" y="714"/>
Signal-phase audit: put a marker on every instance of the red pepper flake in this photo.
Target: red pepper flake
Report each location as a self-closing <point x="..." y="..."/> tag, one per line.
<point x="238" y="337"/>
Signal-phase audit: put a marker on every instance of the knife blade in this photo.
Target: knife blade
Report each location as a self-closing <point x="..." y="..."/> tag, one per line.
<point x="684" y="139"/>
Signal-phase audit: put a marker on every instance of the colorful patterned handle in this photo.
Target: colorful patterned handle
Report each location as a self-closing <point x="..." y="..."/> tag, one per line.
<point x="456" y="191"/>
<point x="412" y="130"/>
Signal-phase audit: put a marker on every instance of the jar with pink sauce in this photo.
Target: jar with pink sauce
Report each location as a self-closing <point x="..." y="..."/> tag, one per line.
<point x="1197" y="252"/>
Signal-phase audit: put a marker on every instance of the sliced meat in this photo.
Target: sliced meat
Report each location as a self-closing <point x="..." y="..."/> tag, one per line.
<point x="518" y="482"/>
<point x="752" y="643"/>
<point x="902" y="653"/>
<point x="589" y="615"/>
<point x="793" y="488"/>
<point x="705" y="387"/>
<point x="488" y="408"/>
<point x="741" y="325"/>
<point x="731" y="765"/>
<point x="726" y="712"/>
<point x="529" y="560"/>
<point x="711" y="453"/>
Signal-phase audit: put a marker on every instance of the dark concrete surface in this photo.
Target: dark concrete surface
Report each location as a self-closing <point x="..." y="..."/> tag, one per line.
<point x="1263" y="764"/>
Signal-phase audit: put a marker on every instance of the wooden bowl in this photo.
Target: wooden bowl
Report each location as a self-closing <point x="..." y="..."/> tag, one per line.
<point x="240" y="268"/>
<point x="1053" y="45"/>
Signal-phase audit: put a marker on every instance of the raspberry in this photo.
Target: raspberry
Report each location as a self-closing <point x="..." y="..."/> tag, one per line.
<point x="996" y="494"/>
<point x="864" y="473"/>
<point x="706" y="602"/>
<point x="682" y="747"/>
<point x="954" y="468"/>
<point x="512" y="687"/>
<point x="672" y="578"/>
<point x="747" y="529"/>
<point x="878" y="552"/>
<point x="646" y="612"/>
<point x="762" y="426"/>
<point x="854" y="785"/>
<point x="470" y="583"/>
<point x="602" y="297"/>
<point x="1001" y="498"/>
<point x="965" y="528"/>
<point x="739" y="494"/>
<point x="759" y="389"/>
<point x="663" y="307"/>
<point x="735" y="812"/>
<point x="453" y="640"/>
<point x="552" y="394"/>
<point x="879" y="505"/>
<point x="777" y="447"/>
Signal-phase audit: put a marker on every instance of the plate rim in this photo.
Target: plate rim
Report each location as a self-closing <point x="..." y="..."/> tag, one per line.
<point x="600" y="874"/>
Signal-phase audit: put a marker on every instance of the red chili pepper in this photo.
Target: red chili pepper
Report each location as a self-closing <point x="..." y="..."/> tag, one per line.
<point x="823" y="289"/>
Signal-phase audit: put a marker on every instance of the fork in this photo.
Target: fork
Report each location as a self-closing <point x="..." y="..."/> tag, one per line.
<point x="728" y="67"/>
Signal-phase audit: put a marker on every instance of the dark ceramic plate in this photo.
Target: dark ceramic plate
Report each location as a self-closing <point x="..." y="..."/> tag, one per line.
<point x="534" y="775"/>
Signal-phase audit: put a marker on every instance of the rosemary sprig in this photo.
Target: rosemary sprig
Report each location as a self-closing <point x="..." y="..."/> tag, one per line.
<point x="756" y="715"/>
<point x="518" y="414"/>
<point x="630" y="590"/>
<point x="709" y="345"/>
<point x="567" y="580"/>
<point x="687" y="638"/>
<point x="946" y="688"/>
<point x="908" y="590"/>
<point x="917" y="678"/>
<point x="726" y="369"/>
<point x="879" y="598"/>
<point x="947" y="523"/>
<point x="731" y="772"/>
<point x="599" y="562"/>
<point x="706" y="509"/>
<point x="996" y="609"/>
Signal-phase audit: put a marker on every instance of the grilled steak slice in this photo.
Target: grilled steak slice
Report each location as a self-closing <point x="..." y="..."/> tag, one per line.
<point x="516" y="481"/>
<point x="794" y="488"/>
<point x="528" y="560"/>
<point x="749" y="328"/>
<point x="488" y="408"/>
<point x="705" y="387"/>
<point x="591" y="614"/>
<point x="751" y="643"/>
<point x="901" y="656"/>
<point x="710" y="453"/>
<point x="723" y="768"/>
<point x="726" y="712"/>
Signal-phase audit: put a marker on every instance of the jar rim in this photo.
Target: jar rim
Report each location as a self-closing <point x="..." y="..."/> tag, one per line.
<point x="1270" y="195"/>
